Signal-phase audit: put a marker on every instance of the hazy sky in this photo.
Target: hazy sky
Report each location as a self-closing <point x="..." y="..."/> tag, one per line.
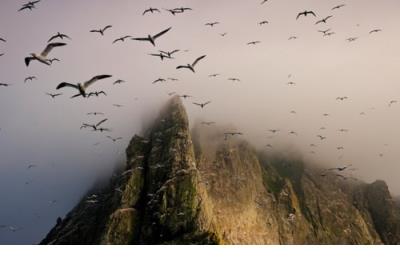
<point x="36" y="129"/>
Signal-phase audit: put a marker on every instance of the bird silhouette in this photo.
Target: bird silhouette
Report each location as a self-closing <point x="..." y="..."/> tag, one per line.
<point x="159" y="80"/>
<point x="96" y="94"/>
<point x="114" y="139"/>
<point x="94" y="126"/>
<point x="211" y="24"/>
<point x="53" y="95"/>
<point x="202" y="105"/>
<point x="58" y="35"/>
<point x="375" y="31"/>
<point x="152" y="38"/>
<point x="323" y="20"/>
<point x="338" y="6"/>
<point x="305" y="14"/>
<point x="30" y="78"/>
<point x="191" y="66"/>
<point x="121" y="39"/>
<point x="253" y="42"/>
<point x="101" y="31"/>
<point x="151" y="10"/>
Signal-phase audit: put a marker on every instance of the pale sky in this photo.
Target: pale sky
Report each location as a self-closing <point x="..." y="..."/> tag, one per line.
<point x="36" y="129"/>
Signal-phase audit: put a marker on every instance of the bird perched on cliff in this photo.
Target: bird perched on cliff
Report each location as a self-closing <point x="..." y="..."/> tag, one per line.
<point x="58" y="35"/>
<point x="82" y="87"/>
<point x="42" y="57"/>
<point x="191" y="66"/>
<point x="305" y="14"/>
<point x="323" y="20"/>
<point x="151" y="10"/>
<point x="121" y="39"/>
<point x="202" y="105"/>
<point x="101" y="31"/>
<point x="153" y="38"/>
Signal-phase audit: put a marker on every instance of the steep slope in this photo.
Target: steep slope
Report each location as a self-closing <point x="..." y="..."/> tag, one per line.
<point x="202" y="190"/>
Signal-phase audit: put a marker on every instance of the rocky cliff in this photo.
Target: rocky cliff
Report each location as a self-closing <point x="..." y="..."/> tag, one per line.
<point x="192" y="187"/>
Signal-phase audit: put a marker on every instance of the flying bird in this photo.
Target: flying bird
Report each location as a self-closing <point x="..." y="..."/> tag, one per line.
<point x="151" y="10"/>
<point x="393" y="102"/>
<point x="202" y="105"/>
<point x="182" y="9"/>
<point x="339" y="6"/>
<point x="169" y="53"/>
<point x="305" y="14"/>
<point x="118" y="82"/>
<point x="82" y="87"/>
<point x="121" y="39"/>
<point x="185" y="96"/>
<point x="94" y="126"/>
<point x="323" y="20"/>
<point x="42" y="57"/>
<point x="292" y="38"/>
<point x="95" y="113"/>
<point x="263" y="22"/>
<point x="161" y="56"/>
<point x="211" y="24"/>
<point x="96" y="94"/>
<point x="159" y="80"/>
<point x="114" y="139"/>
<point x="223" y="34"/>
<point x="191" y="66"/>
<point x="254" y="43"/>
<point x="375" y="31"/>
<point x="342" y="98"/>
<point x="234" y="79"/>
<point x="153" y="38"/>
<point x="231" y="134"/>
<point x="5" y="84"/>
<point x="58" y="35"/>
<point x="101" y="31"/>
<point x="53" y="59"/>
<point x="352" y="39"/>
<point x="3" y="40"/>
<point x="53" y="95"/>
<point x="324" y="31"/>
<point x="30" y="78"/>
<point x="214" y="75"/>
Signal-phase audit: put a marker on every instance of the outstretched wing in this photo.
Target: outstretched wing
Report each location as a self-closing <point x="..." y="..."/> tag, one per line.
<point x="206" y="103"/>
<point x="312" y="13"/>
<point x="162" y="33"/>
<point x="141" y="39"/>
<point x="197" y="104"/>
<point x="298" y="16"/>
<point x="49" y="47"/>
<point x="107" y="27"/>
<point x="64" y="84"/>
<point x="182" y="67"/>
<point x="95" y="79"/>
<point x="197" y="60"/>
<point x="101" y="122"/>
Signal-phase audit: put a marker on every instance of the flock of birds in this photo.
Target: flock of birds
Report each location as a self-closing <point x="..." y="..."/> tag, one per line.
<point x="82" y="89"/>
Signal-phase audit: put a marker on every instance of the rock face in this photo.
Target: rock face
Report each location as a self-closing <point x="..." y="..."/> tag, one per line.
<point x="182" y="190"/>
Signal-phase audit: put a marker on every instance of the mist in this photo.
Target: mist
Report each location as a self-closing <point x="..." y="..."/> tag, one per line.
<point x="36" y="129"/>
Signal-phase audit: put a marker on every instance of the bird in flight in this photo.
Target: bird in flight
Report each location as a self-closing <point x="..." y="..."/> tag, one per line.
<point x="53" y="95"/>
<point x="5" y="84"/>
<point x="191" y="66"/>
<point x="118" y="82"/>
<point x="159" y="80"/>
<point x="202" y="105"/>
<point x="31" y="166"/>
<point x="153" y="38"/>
<point x="352" y="39"/>
<point x="185" y="96"/>
<point x="211" y="24"/>
<point x="263" y="2"/>
<point x="339" y="6"/>
<point x="161" y="56"/>
<point x="30" y="5"/>
<point x="173" y="79"/>
<point x="2" y="54"/>
<point x="214" y="75"/>
<point x="392" y="102"/>
<point x="321" y="137"/>
<point x="172" y="11"/>
<point x="96" y="94"/>
<point x="234" y="79"/>
<point x="292" y="38"/>
<point x="169" y="53"/>
<point x="231" y="134"/>
<point x="274" y="131"/>
<point x="114" y="139"/>
<point x="254" y="43"/>
<point x="263" y="22"/>
<point x="121" y="39"/>
<point x="82" y="87"/>
<point x="30" y="78"/>
<point x="323" y="20"/>
<point x="94" y="126"/>
<point x="324" y="32"/>
<point x="58" y="35"/>
<point x="182" y="9"/>
<point x="305" y="14"/>
<point x="3" y="40"/>
<point x="95" y="113"/>
<point x="340" y="168"/>
<point x="42" y="57"/>
<point x="117" y="105"/>
<point x="342" y="98"/>
<point x="101" y="31"/>
<point x="375" y="31"/>
<point x="208" y="123"/>
<point x="151" y="10"/>
<point x="223" y="34"/>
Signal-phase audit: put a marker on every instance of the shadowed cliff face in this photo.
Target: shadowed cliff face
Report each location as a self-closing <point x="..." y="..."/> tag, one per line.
<point x="203" y="190"/>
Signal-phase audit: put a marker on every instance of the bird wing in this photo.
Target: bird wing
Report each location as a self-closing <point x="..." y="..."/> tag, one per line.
<point x="141" y="39"/>
<point x="101" y="122"/>
<point x="116" y="40"/>
<point x="206" y="103"/>
<point x="95" y="79"/>
<point x="95" y="31"/>
<point x="300" y="14"/>
<point x="162" y="33"/>
<point x="312" y="13"/>
<point x="182" y="67"/>
<point x="49" y="47"/>
<point x="175" y="51"/>
<point x="64" y="84"/>
<point x="52" y="38"/>
<point x="107" y="27"/>
<point x="197" y="60"/>
<point x="197" y="104"/>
